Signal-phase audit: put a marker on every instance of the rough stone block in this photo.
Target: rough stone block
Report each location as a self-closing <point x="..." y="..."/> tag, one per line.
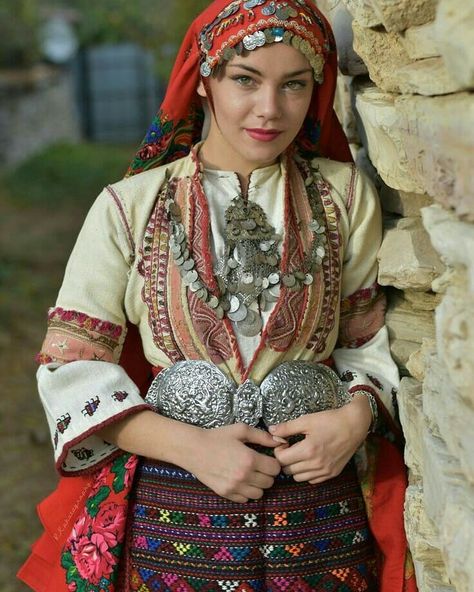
<point x="455" y="39"/>
<point x="393" y="70"/>
<point x="458" y="542"/>
<point x="455" y="333"/>
<point x="441" y="478"/>
<point x="432" y="578"/>
<point x="422" y="534"/>
<point x="407" y="259"/>
<point x="381" y="131"/>
<point x="402" y="202"/>
<point x="383" y="54"/>
<point x="428" y="77"/>
<point x="398" y="15"/>
<point x="422" y="300"/>
<point x="446" y="408"/>
<point x="401" y="351"/>
<point x="449" y="503"/>
<point x="421" y="42"/>
<point x="443" y="282"/>
<point x="416" y="364"/>
<point x="439" y="145"/>
<point x="408" y="324"/>
<point x="410" y="403"/>
<point x="420" y="144"/>
<point x="363" y="12"/>
<point x="452" y="239"/>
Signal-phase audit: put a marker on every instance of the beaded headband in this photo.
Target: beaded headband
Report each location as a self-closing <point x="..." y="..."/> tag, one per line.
<point x="264" y="22"/>
<point x="222" y="30"/>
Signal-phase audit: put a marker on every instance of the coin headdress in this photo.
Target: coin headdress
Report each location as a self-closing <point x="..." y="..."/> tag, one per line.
<point x="226" y="29"/>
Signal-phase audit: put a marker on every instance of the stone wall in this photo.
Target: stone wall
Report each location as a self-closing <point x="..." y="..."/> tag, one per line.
<point x="407" y="105"/>
<point x="37" y="108"/>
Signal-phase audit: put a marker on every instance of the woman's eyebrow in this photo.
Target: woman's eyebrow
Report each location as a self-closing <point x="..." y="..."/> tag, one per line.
<point x="255" y="71"/>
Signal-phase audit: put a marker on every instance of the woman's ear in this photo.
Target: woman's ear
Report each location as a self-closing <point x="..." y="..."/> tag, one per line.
<point x="201" y="89"/>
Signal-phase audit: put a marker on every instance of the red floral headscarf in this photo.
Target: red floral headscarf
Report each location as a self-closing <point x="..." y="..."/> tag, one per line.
<point x="219" y="32"/>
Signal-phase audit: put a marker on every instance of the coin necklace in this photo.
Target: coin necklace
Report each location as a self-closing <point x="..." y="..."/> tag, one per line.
<point x="249" y="271"/>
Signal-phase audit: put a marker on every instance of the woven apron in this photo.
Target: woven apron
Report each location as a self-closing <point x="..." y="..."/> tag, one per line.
<point x="298" y="537"/>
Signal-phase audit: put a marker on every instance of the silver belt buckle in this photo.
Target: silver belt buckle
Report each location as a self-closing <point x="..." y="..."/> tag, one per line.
<point x="199" y="393"/>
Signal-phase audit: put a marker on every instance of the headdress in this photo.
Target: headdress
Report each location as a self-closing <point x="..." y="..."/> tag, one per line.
<point x="227" y="28"/>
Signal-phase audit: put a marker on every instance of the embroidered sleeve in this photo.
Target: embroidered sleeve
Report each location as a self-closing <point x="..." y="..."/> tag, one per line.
<point x="81" y="385"/>
<point x="362" y="355"/>
<point x="79" y="399"/>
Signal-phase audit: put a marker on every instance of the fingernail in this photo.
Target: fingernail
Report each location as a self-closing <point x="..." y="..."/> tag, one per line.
<point x="271" y="429"/>
<point x="280" y="440"/>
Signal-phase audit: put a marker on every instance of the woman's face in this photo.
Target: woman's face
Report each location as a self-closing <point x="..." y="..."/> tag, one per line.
<point x="260" y="102"/>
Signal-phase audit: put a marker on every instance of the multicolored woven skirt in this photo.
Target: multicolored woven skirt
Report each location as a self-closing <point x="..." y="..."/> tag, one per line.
<point x="298" y="537"/>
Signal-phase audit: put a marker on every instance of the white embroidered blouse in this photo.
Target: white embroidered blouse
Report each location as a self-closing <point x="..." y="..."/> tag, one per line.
<point x="80" y="383"/>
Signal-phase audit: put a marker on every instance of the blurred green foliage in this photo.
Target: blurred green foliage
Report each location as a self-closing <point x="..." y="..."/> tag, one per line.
<point x="19" y="25"/>
<point x="66" y="172"/>
<point x="158" y="25"/>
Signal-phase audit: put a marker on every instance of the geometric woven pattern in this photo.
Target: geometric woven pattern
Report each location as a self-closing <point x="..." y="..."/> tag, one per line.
<point x="297" y="538"/>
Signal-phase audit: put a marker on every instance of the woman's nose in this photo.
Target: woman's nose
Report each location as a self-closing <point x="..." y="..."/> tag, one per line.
<point x="268" y="104"/>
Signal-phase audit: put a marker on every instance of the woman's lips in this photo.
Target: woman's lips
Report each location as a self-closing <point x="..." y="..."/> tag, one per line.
<point x="263" y="135"/>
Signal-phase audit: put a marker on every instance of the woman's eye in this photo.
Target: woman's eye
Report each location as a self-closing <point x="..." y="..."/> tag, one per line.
<point x="243" y="80"/>
<point x="295" y="84"/>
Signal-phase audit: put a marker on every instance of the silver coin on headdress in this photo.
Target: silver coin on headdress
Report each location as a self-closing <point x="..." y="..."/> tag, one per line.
<point x="205" y="69"/>
<point x="269" y="10"/>
<point x="250" y="4"/>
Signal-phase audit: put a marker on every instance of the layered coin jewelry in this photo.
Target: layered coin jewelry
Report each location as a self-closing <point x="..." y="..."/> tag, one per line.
<point x="249" y="271"/>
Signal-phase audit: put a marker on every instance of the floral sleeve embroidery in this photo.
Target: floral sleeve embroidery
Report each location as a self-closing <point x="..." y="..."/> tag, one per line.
<point x="73" y="335"/>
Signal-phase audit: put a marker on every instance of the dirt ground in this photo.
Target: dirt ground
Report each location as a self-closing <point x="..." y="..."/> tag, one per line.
<point x="34" y="244"/>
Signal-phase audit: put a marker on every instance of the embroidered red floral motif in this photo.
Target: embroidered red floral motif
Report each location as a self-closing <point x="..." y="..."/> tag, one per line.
<point x="92" y="552"/>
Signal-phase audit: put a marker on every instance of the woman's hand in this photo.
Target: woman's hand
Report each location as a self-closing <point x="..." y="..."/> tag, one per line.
<point x="224" y="463"/>
<point x="331" y="439"/>
<point x="219" y="458"/>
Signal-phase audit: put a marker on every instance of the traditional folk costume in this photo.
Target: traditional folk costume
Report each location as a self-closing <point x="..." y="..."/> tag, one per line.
<point x="150" y="271"/>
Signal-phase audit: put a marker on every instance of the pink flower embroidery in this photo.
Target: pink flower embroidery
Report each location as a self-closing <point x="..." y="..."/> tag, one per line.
<point x="130" y="466"/>
<point x="72" y="587"/>
<point x="110" y="523"/>
<point x="100" y="480"/>
<point x="81" y="528"/>
<point x="93" y="558"/>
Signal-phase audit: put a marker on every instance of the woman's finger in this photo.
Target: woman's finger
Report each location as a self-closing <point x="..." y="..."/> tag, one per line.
<point x="250" y="491"/>
<point x="303" y="467"/>
<point x="313" y="477"/>
<point x="257" y="436"/>
<point x="261" y="480"/>
<point x="289" y="428"/>
<point x="291" y="454"/>
<point x="267" y="465"/>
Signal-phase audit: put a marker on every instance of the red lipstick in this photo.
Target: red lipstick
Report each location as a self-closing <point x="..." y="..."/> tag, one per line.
<point x="263" y="135"/>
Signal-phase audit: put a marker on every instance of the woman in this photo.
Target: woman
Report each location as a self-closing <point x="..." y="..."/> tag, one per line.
<point x="243" y="256"/>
